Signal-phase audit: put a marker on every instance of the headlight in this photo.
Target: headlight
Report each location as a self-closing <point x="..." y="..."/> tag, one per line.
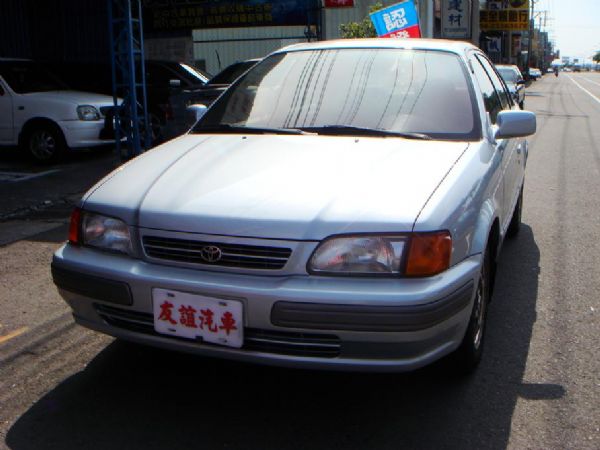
<point x="87" y="112"/>
<point x="105" y="232"/>
<point x="411" y="255"/>
<point x="359" y="255"/>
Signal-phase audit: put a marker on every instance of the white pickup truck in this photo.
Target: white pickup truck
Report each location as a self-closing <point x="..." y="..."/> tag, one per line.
<point x="39" y="113"/>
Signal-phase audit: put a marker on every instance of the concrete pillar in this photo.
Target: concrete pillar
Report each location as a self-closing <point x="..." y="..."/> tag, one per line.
<point x="426" y="12"/>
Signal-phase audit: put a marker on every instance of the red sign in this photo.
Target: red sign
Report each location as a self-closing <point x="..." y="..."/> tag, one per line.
<point x="410" y="32"/>
<point x="339" y="3"/>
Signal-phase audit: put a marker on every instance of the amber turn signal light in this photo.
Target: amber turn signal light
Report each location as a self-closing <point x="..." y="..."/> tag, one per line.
<point x="75" y="227"/>
<point x="429" y="254"/>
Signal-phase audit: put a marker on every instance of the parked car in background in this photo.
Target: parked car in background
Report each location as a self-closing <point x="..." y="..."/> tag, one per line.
<point x="514" y="81"/>
<point x="221" y="81"/>
<point x="342" y="205"/>
<point x="41" y="114"/>
<point x="534" y="73"/>
<point x="168" y="86"/>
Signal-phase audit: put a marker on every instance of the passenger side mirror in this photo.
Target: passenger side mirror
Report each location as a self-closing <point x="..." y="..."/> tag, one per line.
<point x="521" y="81"/>
<point x="515" y="124"/>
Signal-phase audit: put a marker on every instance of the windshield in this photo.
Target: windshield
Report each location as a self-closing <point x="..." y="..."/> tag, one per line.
<point x="394" y="90"/>
<point x="509" y="75"/>
<point x="26" y="76"/>
<point x="194" y="75"/>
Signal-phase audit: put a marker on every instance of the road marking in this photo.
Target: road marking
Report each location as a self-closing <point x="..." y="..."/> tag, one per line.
<point x="591" y="81"/>
<point x="12" y="335"/>
<point x="584" y="89"/>
<point x="22" y="176"/>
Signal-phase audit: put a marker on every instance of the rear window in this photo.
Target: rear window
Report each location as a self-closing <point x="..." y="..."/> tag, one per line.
<point x="508" y="75"/>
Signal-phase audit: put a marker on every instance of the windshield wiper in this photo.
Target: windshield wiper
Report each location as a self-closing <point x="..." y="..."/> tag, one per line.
<point x="350" y="130"/>
<point x="236" y="129"/>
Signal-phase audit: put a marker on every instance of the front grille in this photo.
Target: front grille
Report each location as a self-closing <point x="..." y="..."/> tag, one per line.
<point x="265" y="341"/>
<point x="232" y="255"/>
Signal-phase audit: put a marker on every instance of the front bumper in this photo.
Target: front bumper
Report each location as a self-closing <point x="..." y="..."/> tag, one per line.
<point x="80" y="133"/>
<point x="293" y="321"/>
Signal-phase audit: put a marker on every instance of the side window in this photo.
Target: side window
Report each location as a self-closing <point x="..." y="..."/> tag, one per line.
<point x="492" y="102"/>
<point x="1" y="90"/>
<point x="497" y="82"/>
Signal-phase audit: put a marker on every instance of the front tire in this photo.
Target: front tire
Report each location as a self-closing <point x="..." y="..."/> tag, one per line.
<point x="44" y="143"/>
<point x="468" y="355"/>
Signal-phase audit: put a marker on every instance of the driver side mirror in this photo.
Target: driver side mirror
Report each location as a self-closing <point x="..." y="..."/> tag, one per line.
<point x="515" y="124"/>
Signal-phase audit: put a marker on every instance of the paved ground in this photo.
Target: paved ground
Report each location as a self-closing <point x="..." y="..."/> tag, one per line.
<point x="538" y="387"/>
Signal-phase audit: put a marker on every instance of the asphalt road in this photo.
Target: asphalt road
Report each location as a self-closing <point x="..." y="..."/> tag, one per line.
<point x="538" y="386"/>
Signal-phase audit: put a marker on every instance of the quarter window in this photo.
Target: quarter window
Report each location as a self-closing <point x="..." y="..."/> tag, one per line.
<point x="498" y="85"/>
<point x="491" y="100"/>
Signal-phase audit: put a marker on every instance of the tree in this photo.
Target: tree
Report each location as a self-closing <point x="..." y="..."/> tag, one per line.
<point x="362" y="29"/>
<point x="597" y="57"/>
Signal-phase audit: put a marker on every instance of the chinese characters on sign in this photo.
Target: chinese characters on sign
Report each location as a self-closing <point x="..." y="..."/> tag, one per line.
<point x="171" y="15"/>
<point x="397" y="21"/>
<point x="209" y="16"/>
<point x="205" y="318"/>
<point x="195" y="316"/>
<point x="456" y="19"/>
<point x="505" y="16"/>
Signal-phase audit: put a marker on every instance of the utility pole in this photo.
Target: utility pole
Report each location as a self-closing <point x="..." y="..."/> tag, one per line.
<point x="530" y="40"/>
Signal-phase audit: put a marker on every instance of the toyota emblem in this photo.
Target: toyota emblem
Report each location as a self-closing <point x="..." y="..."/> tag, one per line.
<point x="211" y="253"/>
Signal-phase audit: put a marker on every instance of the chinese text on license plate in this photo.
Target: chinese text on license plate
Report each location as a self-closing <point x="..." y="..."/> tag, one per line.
<point x="191" y="316"/>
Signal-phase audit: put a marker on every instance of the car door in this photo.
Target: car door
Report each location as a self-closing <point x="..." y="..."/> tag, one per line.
<point x="498" y="99"/>
<point x="6" y="115"/>
<point x="513" y="148"/>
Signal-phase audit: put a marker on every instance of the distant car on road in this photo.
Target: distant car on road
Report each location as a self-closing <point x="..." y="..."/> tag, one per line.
<point x="342" y="205"/>
<point x="40" y="113"/>
<point x="514" y="81"/>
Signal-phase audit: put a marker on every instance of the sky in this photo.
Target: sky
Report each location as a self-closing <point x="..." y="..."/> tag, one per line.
<point x="574" y="25"/>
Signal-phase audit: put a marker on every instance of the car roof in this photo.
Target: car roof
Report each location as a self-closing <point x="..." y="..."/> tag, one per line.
<point x="458" y="47"/>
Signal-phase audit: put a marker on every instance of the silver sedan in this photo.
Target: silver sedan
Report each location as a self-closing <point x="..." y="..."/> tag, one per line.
<point x="341" y="206"/>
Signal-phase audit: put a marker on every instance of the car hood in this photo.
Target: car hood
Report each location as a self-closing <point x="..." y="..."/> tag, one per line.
<point x="72" y="97"/>
<point x="277" y="186"/>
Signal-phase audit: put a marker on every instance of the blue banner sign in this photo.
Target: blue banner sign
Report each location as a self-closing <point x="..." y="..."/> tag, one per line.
<point x="399" y="20"/>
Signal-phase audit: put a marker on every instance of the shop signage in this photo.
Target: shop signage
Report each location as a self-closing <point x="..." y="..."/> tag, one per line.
<point x="397" y="21"/>
<point x="172" y="15"/>
<point x="456" y="19"/>
<point x="506" y="15"/>
<point x="507" y="4"/>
